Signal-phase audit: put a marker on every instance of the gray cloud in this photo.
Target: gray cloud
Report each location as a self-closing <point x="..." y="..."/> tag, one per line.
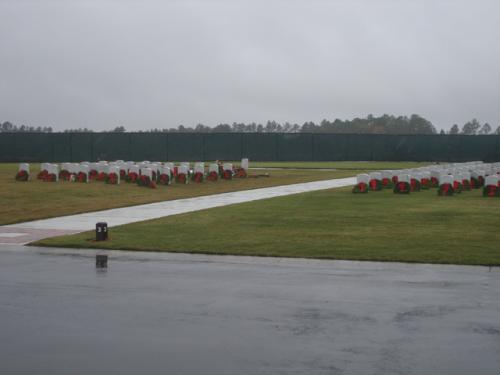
<point x="145" y="64"/>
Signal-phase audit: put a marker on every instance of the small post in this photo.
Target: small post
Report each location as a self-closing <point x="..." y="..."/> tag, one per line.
<point x="101" y="231"/>
<point x="101" y="261"/>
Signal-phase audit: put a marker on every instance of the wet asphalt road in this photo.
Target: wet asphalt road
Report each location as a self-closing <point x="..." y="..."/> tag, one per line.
<point x="182" y="314"/>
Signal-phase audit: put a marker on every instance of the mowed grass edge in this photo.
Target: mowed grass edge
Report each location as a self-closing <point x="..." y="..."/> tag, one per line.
<point x="331" y="224"/>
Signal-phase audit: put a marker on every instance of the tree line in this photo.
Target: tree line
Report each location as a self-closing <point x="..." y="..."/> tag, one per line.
<point x="385" y="124"/>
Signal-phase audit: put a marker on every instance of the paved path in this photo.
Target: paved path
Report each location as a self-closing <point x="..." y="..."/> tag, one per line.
<point x="33" y="230"/>
<point x="157" y="313"/>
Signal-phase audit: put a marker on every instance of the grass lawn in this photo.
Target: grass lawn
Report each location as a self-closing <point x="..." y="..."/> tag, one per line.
<point x="333" y="224"/>
<point x="347" y="165"/>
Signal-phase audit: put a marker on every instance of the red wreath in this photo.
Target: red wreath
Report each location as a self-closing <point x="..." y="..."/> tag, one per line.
<point x="491" y="191"/>
<point x="92" y="174"/>
<point x="112" y="179"/>
<point x="101" y="176"/>
<point x="163" y="179"/>
<point x="181" y="178"/>
<point x="198" y="177"/>
<point x="64" y="175"/>
<point x="425" y="183"/>
<point x="22" y="175"/>
<point x="131" y="177"/>
<point x="386" y="182"/>
<point x="457" y="187"/>
<point x="42" y="174"/>
<point x="394" y="180"/>
<point x="81" y="177"/>
<point x="375" y="184"/>
<point x="360" y="187"/>
<point x="434" y="182"/>
<point x="175" y="171"/>
<point x="402" y="187"/>
<point x="143" y="180"/>
<point x="227" y="174"/>
<point x="415" y="184"/>
<point x="445" y="190"/>
<point x="465" y="184"/>
<point x="123" y="174"/>
<point x="240" y="173"/>
<point x="50" y="177"/>
<point x="213" y="176"/>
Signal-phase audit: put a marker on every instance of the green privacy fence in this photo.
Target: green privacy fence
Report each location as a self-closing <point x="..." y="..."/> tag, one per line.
<point x="57" y="147"/>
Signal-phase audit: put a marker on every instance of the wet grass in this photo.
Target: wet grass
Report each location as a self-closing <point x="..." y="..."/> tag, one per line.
<point x="24" y="201"/>
<point x="346" y="165"/>
<point x="330" y="224"/>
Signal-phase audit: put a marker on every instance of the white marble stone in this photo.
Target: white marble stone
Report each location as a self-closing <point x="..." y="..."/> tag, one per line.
<point x="245" y="163"/>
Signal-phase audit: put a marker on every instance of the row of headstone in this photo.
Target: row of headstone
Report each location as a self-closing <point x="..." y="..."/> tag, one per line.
<point x="449" y="179"/>
<point x="116" y="171"/>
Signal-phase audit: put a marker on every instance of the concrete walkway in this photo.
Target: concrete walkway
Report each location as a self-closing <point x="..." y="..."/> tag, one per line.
<point x="33" y="230"/>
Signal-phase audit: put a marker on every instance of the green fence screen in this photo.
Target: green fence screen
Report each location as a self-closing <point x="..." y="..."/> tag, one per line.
<point x="59" y="147"/>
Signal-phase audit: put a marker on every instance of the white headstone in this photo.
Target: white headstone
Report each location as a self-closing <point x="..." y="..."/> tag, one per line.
<point x="387" y="174"/>
<point x="375" y="176"/>
<point x="213" y="168"/>
<point x="199" y="169"/>
<point x="134" y="169"/>
<point x="445" y="179"/>
<point x="364" y="178"/>
<point x="491" y="180"/>
<point x="147" y="172"/>
<point x="115" y="169"/>
<point x="183" y="169"/>
<point x="404" y="177"/>
<point x="244" y="163"/>
<point x="167" y="171"/>
<point x="54" y="169"/>
<point x="24" y="167"/>
<point x="227" y="166"/>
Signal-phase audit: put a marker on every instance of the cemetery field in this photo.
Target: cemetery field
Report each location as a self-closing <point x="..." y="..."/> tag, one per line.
<point x="340" y="165"/>
<point x="25" y="201"/>
<point x="331" y="224"/>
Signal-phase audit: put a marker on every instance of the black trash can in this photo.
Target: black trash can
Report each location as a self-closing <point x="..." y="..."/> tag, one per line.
<point x="101" y="231"/>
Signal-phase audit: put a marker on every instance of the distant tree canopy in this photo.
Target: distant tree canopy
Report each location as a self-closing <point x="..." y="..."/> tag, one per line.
<point x="9" y="127"/>
<point x="385" y="124"/>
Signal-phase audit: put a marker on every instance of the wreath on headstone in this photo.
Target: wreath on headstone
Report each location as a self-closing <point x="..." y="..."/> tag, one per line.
<point x="415" y="184"/>
<point x="111" y="178"/>
<point x="387" y="183"/>
<point x="64" y="175"/>
<point x="181" y="178"/>
<point x="213" y="176"/>
<point x="425" y="183"/>
<point x="375" y="184"/>
<point x="22" y="175"/>
<point x="402" y="187"/>
<point x="197" y="177"/>
<point x="131" y="177"/>
<point x="491" y="191"/>
<point x="360" y="188"/>
<point x="445" y="190"/>
<point x="81" y="177"/>
<point x="164" y="179"/>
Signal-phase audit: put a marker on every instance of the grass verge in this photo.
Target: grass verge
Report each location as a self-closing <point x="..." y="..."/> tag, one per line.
<point x="332" y="224"/>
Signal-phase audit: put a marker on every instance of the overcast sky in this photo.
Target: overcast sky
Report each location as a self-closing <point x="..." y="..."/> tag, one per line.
<point x="145" y="64"/>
